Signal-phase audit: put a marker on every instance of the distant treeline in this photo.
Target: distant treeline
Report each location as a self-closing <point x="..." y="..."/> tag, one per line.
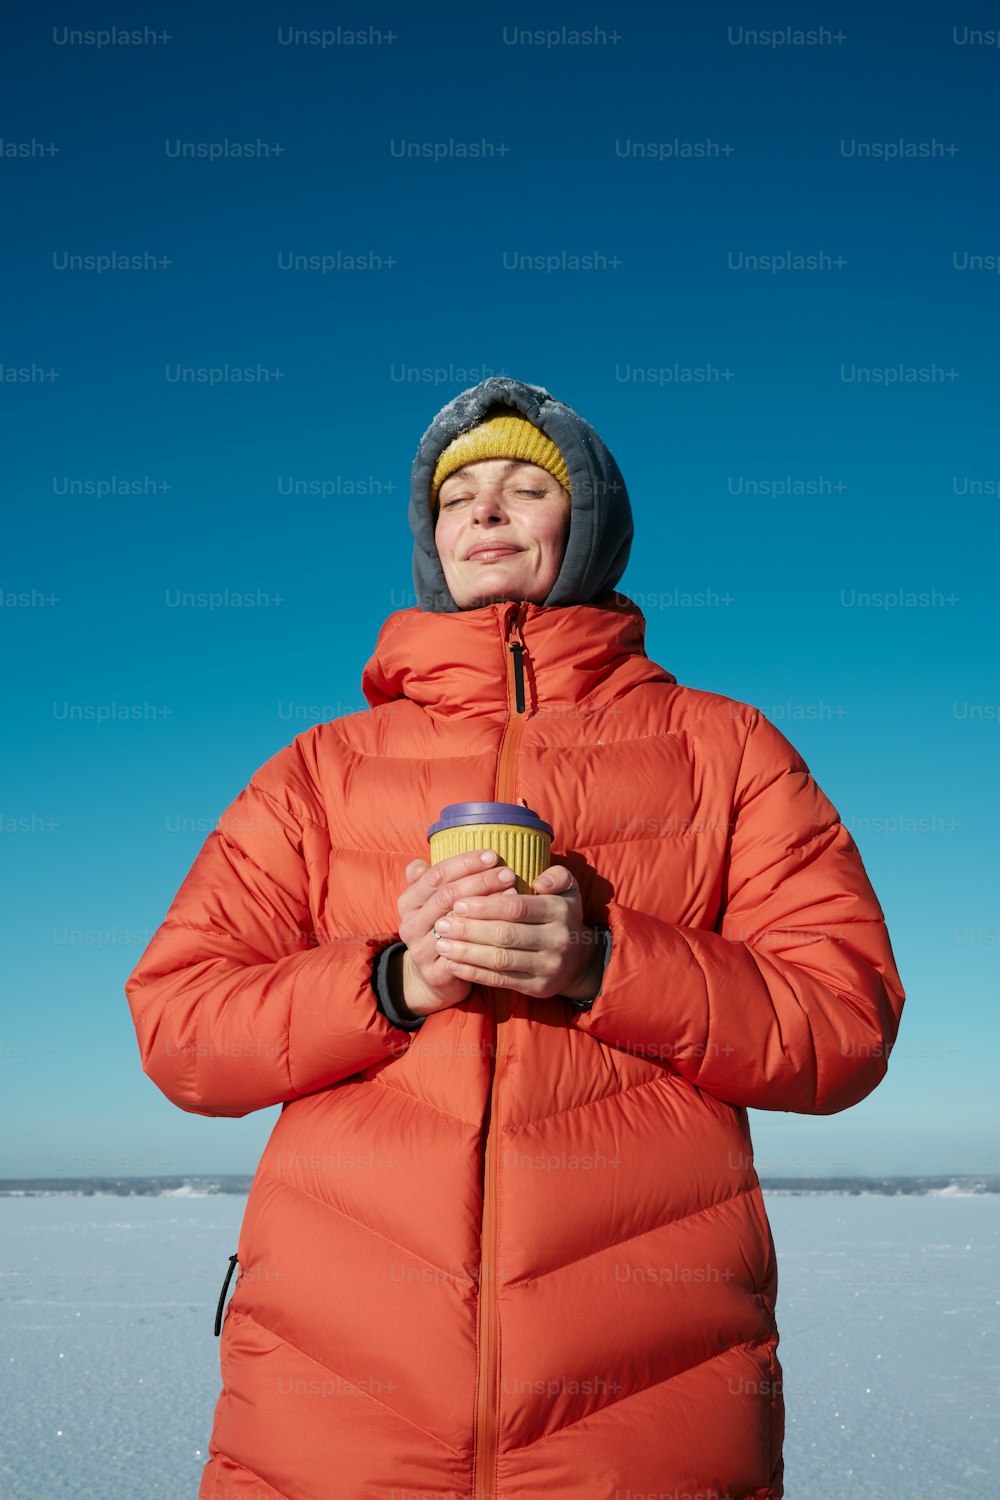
<point x="121" y="1187"/>
<point x="889" y="1187"/>
<point x="151" y="1187"/>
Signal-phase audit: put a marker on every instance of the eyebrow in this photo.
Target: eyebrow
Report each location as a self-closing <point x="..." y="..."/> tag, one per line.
<point x="512" y="463"/>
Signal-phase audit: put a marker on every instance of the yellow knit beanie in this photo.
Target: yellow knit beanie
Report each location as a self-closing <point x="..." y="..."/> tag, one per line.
<point x="508" y="436"/>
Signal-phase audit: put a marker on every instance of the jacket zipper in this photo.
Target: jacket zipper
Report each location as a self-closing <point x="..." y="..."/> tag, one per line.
<point x="487" y="1378"/>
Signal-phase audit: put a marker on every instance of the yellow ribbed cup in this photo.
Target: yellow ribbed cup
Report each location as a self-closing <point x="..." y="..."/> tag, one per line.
<point x="525" y="850"/>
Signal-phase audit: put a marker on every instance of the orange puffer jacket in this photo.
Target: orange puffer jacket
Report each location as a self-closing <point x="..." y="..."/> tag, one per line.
<point x="521" y="1251"/>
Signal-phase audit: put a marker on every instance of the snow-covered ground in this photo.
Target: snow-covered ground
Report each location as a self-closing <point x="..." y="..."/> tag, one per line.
<point x="888" y="1310"/>
<point x="888" y="1314"/>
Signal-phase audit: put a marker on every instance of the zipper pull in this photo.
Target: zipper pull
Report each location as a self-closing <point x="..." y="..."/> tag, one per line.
<point x="222" y="1295"/>
<point x="517" y="648"/>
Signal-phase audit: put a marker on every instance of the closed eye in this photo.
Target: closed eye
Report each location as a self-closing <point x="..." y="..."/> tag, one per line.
<point x="459" y="499"/>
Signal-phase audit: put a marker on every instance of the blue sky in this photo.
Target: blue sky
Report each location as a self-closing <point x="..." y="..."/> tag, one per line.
<point x="774" y="481"/>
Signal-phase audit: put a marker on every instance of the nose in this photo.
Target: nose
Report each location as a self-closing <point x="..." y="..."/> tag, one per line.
<point x="489" y="504"/>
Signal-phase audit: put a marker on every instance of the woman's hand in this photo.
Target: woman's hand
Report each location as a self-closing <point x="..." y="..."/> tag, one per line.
<point x="427" y="981"/>
<point x="538" y="945"/>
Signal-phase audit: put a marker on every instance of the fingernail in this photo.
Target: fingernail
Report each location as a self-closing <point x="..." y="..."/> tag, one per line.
<point x="461" y="907"/>
<point x="442" y="925"/>
<point x="488" y="856"/>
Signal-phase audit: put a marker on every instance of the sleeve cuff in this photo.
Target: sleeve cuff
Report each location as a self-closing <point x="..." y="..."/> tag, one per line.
<point x="604" y="936"/>
<point x="383" y="1000"/>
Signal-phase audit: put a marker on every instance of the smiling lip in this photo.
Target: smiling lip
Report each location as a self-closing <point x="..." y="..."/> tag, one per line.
<point x="494" y="550"/>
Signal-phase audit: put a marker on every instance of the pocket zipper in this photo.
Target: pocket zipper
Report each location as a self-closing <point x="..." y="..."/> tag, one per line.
<point x="222" y="1295"/>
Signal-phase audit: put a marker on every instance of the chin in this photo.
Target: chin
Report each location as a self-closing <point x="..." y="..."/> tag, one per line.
<point x="474" y="592"/>
<point x="480" y="601"/>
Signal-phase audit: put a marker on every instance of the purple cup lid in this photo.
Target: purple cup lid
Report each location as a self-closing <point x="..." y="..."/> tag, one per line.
<point x="458" y="814"/>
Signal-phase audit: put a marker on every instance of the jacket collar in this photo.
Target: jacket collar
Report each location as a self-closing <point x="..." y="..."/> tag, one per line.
<point x="456" y="664"/>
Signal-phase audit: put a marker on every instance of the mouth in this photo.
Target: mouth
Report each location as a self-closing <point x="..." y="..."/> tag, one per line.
<point x="492" y="553"/>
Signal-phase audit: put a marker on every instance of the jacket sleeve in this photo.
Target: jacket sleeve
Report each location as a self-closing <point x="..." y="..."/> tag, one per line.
<point x="237" y="1003"/>
<point x="792" y="1001"/>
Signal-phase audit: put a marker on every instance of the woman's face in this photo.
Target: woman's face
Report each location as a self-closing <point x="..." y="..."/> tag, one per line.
<point x="501" y="531"/>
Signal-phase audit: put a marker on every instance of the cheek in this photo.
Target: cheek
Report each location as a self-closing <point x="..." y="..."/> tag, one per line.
<point x="442" y="541"/>
<point x="558" y="531"/>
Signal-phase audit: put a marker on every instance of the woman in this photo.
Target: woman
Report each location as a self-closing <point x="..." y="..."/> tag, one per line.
<point x="506" y="1239"/>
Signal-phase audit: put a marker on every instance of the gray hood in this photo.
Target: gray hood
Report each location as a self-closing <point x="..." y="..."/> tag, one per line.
<point x="600" y="533"/>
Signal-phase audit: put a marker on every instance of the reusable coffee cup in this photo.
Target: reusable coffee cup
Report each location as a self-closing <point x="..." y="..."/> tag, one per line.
<point x="520" y="837"/>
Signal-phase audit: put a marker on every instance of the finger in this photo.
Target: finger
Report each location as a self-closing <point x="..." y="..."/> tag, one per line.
<point x="427" y="878"/>
<point x="485" y="884"/>
<point x="426" y="900"/>
<point x="446" y="869"/>
<point x="494" y="978"/>
<point x="457" y="865"/>
<point x="499" y="960"/>
<point x="453" y="933"/>
<point x="557" y="880"/>
<point x="510" y="906"/>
